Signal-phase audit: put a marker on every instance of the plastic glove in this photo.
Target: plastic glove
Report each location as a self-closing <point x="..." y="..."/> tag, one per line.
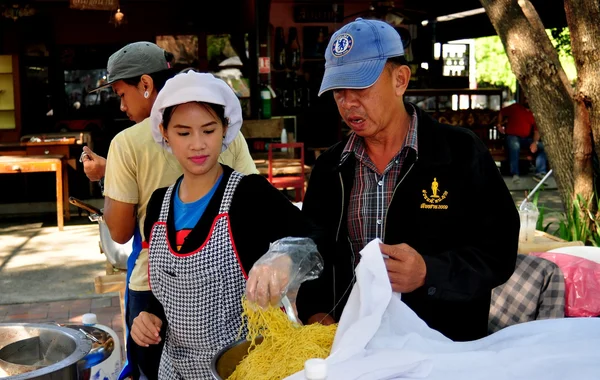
<point x="279" y="272"/>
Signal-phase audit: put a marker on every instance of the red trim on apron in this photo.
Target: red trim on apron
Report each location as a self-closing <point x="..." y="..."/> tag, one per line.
<point x="210" y="232"/>
<point x="237" y="255"/>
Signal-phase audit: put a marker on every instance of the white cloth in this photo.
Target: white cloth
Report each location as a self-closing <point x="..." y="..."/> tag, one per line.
<point x="379" y="337"/>
<point x="197" y="87"/>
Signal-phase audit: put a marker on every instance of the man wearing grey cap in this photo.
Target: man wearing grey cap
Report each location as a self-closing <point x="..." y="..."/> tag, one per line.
<point x="430" y="192"/>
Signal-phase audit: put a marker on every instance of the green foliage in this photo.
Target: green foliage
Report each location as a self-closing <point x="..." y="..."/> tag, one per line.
<point x="492" y="65"/>
<point x="561" y="40"/>
<point x="217" y="44"/>
<point x="579" y="223"/>
<point x="493" y="68"/>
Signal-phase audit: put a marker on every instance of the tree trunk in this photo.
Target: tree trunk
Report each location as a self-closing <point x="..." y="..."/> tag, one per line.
<point x="535" y="63"/>
<point x="582" y="18"/>
<point x="583" y="171"/>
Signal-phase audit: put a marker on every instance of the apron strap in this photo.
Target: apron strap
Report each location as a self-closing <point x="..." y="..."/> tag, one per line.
<point x="164" y="210"/>
<point x="234" y="180"/>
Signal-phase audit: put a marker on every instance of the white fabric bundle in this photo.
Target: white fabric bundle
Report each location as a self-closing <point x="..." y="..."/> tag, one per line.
<point x="197" y="87"/>
<point x="379" y="337"/>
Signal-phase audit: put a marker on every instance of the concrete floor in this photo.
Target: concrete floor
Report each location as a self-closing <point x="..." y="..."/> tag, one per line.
<point x="39" y="263"/>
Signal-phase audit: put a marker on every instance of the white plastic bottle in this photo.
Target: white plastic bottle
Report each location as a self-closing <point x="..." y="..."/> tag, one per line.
<point x="284" y="139"/>
<point x="315" y="369"/>
<point x="111" y="366"/>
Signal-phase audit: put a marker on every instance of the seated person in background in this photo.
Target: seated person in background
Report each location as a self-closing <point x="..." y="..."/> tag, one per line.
<point x="207" y="230"/>
<point x="521" y="129"/>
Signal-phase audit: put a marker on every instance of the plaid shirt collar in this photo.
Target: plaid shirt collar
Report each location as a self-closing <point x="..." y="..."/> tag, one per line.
<point x="356" y="144"/>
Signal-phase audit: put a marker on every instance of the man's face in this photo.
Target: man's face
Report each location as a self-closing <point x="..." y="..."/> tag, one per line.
<point x="133" y="102"/>
<point x="367" y="111"/>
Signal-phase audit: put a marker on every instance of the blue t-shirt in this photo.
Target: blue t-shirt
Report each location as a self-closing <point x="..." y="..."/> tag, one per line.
<point x="187" y="215"/>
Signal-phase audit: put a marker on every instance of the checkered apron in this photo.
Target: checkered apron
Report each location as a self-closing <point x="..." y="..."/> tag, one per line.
<point x="200" y="292"/>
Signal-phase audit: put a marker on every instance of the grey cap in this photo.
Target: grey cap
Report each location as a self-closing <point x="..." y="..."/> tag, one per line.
<point x="135" y="60"/>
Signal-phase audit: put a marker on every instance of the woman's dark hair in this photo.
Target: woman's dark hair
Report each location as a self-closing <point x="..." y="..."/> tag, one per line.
<point x="218" y="109"/>
<point x="159" y="78"/>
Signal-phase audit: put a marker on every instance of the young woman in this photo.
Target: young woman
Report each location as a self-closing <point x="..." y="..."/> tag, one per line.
<point x="135" y="167"/>
<point x="206" y="230"/>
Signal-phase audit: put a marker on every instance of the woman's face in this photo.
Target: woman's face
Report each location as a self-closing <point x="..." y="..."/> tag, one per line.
<point x="195" y="135"/>
<point x="133" y="102"/>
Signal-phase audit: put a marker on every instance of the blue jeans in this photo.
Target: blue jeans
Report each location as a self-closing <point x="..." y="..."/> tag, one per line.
<point x="514" y="144"/>
<point x="147" y="358"/>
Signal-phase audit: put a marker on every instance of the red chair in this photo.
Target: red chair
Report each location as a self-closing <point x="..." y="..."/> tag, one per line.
<point x="284" y="181"/>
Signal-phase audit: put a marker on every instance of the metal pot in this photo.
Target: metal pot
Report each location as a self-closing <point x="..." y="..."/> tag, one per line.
<point x="225" y="361"/>
<point x="116" y="254"/>
<point x="103" y="345"/>
<point x="42" y="351"/>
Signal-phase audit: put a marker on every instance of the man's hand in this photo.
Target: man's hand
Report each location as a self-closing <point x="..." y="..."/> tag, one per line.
<point x="267" y="281"/>
<point x="322" y="318"/>
<point x="533" y="147"/>
<point x="94" y="166"/>
<point x="501" y="129"/>
<point x="405" y="266"/>
<point x="146" y="329"/>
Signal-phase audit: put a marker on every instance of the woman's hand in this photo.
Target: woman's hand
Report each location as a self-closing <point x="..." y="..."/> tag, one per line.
<point x="146" y="329"/>
<point x="268" y="280"/>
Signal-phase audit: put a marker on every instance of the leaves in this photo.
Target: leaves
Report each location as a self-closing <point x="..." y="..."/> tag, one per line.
<point x="561" y="39"/>
<point x="492" y="66"/>
<point x="578" y="222"/>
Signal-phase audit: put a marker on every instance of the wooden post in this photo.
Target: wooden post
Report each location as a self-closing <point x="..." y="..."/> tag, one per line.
<point x="59" y="195"/>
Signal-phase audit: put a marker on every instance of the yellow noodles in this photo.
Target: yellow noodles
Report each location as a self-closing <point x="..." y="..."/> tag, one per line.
<point x="285" y="347"/>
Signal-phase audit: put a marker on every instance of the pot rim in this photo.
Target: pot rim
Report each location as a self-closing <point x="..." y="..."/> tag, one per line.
<point x="81" y="350"/>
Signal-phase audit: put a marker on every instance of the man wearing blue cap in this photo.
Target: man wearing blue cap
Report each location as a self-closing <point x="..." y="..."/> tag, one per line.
<point x="431" y="192"/>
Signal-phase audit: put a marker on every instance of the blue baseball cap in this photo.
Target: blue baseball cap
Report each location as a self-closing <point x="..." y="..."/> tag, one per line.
<point x="357" y="53"/>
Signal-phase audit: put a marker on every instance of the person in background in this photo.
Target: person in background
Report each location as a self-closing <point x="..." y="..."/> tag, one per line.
<point x="517" y="122"/>
<point x="430" y="192"/>
<point x="206" y="230"/>
<point x="134" y="168"/>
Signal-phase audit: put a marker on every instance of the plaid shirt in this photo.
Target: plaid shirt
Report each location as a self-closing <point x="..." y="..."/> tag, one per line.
<point x="372" y="191"/>
<point x="536" y="290"/>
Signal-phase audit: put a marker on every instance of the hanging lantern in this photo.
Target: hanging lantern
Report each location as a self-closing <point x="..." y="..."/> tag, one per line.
<point x="118" y="18"/>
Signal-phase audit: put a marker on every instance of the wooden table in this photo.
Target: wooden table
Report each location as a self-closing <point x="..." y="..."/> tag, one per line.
<point x="37" y="164"/>
<point x="282" y="166"/>
<point x="57" y="147"/>
<point x="544" y="242"/>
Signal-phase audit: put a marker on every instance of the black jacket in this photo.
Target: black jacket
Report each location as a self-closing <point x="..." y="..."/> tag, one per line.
<point x="468" y="239"/>
<point x="259" y="215"/>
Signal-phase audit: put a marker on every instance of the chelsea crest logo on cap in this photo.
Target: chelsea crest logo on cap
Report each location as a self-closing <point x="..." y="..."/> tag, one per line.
<point x="342" y="45"/>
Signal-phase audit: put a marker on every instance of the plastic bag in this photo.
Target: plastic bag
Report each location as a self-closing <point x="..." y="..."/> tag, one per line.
<point x="286" y="265"/>
<point x="582" y="283"/>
